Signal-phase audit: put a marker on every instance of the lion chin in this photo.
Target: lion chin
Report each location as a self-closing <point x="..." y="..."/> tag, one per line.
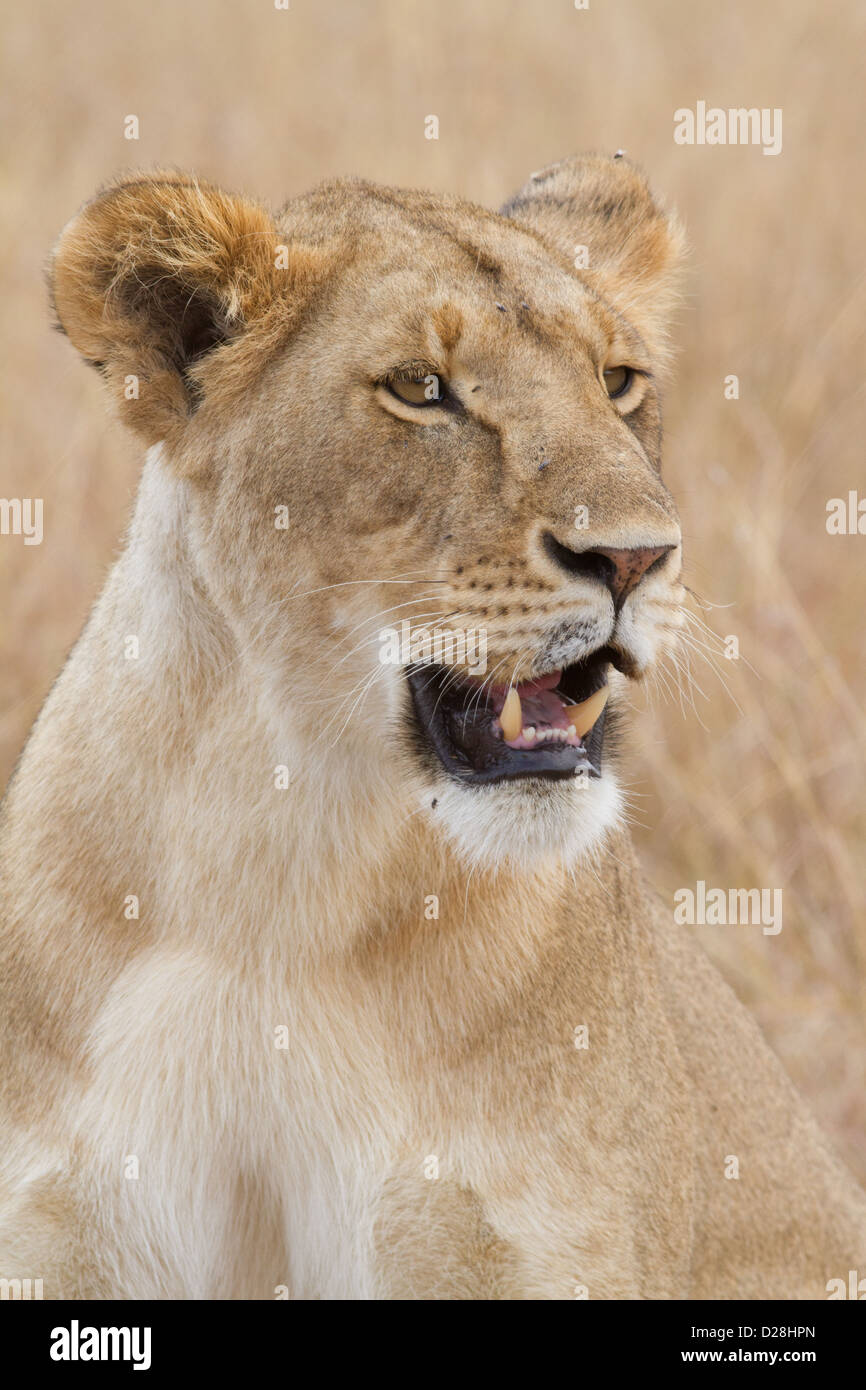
<point x="526" y="825"/>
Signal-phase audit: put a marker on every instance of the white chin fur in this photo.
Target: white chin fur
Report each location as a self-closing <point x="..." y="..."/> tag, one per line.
<point x="520" y="824"/>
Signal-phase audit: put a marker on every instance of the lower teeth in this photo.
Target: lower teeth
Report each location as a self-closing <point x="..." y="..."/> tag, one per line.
<point x="547" y="735"/>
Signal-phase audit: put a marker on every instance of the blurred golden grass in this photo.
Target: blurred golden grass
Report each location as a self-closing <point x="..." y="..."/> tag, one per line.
<point x="765" y="788"/>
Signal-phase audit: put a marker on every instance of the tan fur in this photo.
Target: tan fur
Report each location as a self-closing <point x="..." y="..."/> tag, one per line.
<point x="431" y="1130"/>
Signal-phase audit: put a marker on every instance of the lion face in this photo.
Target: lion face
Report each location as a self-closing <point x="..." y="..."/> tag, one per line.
<point x="420" y="457"/>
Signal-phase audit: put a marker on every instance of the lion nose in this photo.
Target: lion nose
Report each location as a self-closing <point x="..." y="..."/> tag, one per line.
<point x="620" y="570"/>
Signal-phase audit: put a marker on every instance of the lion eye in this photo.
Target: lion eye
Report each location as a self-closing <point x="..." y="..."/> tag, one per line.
<point x="618" y="380"/>
<point x="424" y="390"/>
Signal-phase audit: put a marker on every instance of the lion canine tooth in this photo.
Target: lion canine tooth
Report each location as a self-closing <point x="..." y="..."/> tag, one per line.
<point x="511" y="718"/>
<point x="582" y="717"/>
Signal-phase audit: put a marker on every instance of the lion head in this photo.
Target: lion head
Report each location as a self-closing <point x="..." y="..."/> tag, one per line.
<point x="418" y="449"/>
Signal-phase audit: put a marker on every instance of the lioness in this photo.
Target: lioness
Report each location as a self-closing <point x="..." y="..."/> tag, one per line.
<point x="333" y="975"/>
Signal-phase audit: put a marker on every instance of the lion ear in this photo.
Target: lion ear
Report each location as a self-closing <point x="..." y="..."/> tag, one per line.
<point x="633" y="248"/>
<point x="158" y="273"/>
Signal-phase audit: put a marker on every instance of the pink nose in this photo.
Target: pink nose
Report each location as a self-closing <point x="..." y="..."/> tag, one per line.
<point x="628" y="567"/>
<point x="619" y="570"/>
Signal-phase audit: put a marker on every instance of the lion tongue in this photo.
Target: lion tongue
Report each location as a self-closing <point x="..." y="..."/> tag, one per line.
<point x="543" y="707"/>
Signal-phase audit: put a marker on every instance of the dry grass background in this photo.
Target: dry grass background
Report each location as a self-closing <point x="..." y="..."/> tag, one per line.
<point x="767" y="788"/>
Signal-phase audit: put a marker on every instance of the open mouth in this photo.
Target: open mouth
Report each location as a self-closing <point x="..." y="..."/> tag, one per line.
<point x="551" y="727"/>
